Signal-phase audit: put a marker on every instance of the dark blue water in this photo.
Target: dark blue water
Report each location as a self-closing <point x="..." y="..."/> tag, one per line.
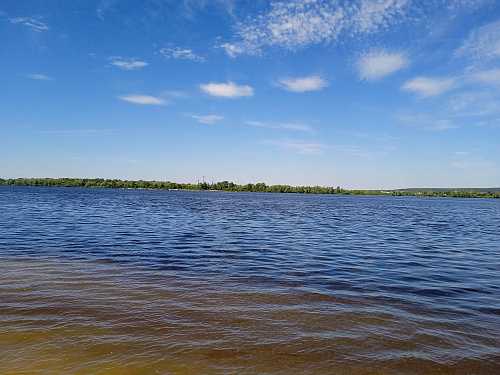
<point x="252" y="282"/>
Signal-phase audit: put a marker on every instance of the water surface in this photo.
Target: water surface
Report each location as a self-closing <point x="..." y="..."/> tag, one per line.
<point x="176" y="282"/>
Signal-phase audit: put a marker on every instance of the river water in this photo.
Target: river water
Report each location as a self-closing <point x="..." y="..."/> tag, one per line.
<point x="107" y="281"/>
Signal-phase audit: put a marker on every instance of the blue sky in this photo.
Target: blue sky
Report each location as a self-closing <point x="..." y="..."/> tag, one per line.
<point x="361" y="94"/>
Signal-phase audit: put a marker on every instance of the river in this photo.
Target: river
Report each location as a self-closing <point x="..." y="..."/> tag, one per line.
<point x="116" y="281"/>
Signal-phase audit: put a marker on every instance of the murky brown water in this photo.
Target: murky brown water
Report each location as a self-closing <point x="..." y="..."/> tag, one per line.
<point x="65" y="317"/>
<point x="138" y="282"/>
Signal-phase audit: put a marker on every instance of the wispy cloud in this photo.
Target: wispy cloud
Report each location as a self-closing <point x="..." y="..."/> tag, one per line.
<point x="491" y="77"/>
<point x="377" y="65"/>
<point x="119" y="159"/>
<point x="79" y="132"/>
<point x="296" y="24"/>
<point x="307" y="148"/>
<point x="226" y="90"/>
<point x="235" y="49"/>
<point x="41" y="77"/>
<point x="471" y="165"/>
<point x="442" y="125"/>
<point x="176" y="94"/>
<point x="425" y="86"/>
<point x="127" y="63"/>
<point x="32" y="23"/>
<point x="483" y="43"/>
<point x="283" y="125"/>
<point x="484" y="101"/>
<point x="294" y="126"/>
<point x="369" y="16"/>
<point x="356" y="151"/>
<point x="428" y="122"/>
<point x="207" y="119"/>
<point x="302" y="84"/>
<point x="181" y="53"/>
<point x="469" y="160"/>
<point x="143" y="99"/>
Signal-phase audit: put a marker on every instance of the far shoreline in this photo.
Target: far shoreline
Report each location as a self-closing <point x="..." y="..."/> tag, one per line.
<point x="254" y="188"/>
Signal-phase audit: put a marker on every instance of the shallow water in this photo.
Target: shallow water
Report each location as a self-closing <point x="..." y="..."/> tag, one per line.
<point x="176" y="282"/>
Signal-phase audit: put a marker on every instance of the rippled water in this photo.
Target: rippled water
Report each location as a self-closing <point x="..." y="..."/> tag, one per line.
<point x="176" y="282"/>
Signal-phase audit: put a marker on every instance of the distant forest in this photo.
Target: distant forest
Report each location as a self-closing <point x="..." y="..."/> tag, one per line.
<point x="229" y="186"/>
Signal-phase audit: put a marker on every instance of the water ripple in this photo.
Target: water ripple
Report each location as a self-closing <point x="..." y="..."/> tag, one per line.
<point x="96" y="281"/>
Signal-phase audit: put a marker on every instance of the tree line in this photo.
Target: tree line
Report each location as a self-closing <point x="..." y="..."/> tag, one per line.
<point x="230" y="186"/>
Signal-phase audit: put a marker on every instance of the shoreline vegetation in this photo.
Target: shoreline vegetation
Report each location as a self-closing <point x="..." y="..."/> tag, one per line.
<point x="258" y="187"/>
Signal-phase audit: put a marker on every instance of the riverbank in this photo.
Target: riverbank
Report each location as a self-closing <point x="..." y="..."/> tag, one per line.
<point x="258" y="187"/>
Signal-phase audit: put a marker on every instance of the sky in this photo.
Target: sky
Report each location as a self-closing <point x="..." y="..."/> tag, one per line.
<point x="362" y="94"/>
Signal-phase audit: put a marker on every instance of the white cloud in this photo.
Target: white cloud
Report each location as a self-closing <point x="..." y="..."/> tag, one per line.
<point x="457" y="5"/>
<point x="176" y="94"/>
<point x="442" y="125"/>
<point x="143" y="99"/>
<point x="427" y="122"/>
<point x="356" y="151"/>
<point x="300" y="147"/>
<point x="369" y="15"/>
<point x="226" y="90"/>
<point x="482" y="102"/>
<point x="471" y="165"/>
<point x="296" y="24"/>
<point x="119" y="159"/>
<point x="208" y="119"/>
<point x="127" y="63"/>
<point x="378" y="65"/>
<point x="469" y="160"/>
<point x="179" y="53"/>
<point x="483" y="43"/>
<point x="283" y="125"/>
<point x="38" y="76"/>
<point x="257" y="123"/>
<point x="79" y="132"/>
<point x="232" y="50"/>
<point x="425" y="86"/>
<point x="311" y="83"/>
<point x="294" y="126"/>
<point x="32" y="23"/>
<point x="290" y="25"/>
<point x="491" y="77"/>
